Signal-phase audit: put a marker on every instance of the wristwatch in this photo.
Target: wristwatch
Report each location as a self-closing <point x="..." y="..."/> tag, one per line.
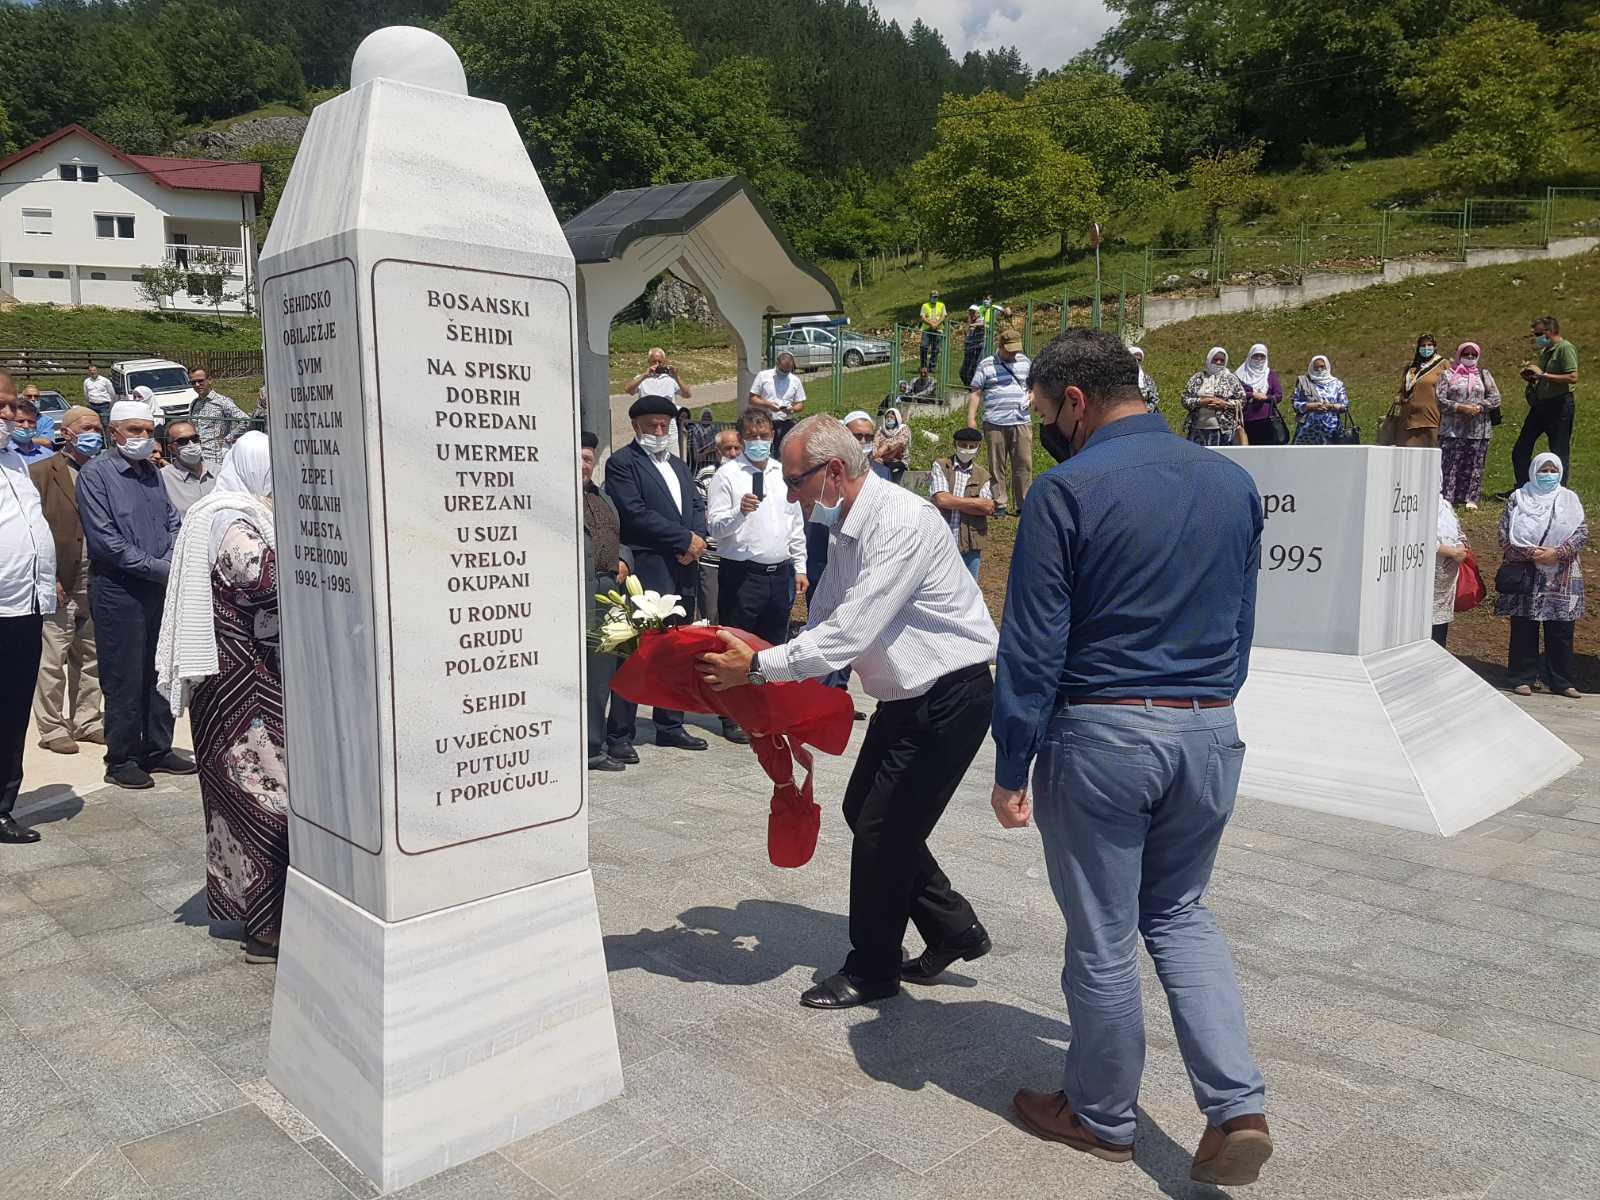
<point x="755" y="676"/>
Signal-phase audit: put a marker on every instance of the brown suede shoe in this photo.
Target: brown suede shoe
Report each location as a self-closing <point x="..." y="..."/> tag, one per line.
<point x="61" y="745"/>
<point x="1050" y="1116"/>
<point x="1232" y="1154"/>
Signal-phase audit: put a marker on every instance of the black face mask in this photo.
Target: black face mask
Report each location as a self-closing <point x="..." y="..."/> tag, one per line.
<point x="1057" y="444"/>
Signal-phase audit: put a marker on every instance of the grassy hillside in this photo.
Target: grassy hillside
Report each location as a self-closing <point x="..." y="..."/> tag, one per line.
<point x="1351" y="190"/>
<point x="47" y="327"/>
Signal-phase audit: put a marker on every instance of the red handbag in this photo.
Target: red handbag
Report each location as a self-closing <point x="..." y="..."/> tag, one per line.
<point x="1470" y="589"/>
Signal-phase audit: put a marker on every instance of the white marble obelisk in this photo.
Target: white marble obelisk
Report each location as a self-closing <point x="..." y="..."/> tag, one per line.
<point x="442" y="988"/>
<point x="1350" y="707"/>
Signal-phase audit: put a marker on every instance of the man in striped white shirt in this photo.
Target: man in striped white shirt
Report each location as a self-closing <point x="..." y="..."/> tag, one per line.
<point x="896" y="602"/>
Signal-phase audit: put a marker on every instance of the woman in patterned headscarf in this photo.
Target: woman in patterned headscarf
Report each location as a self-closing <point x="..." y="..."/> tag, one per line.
<point x="1214" y="398"/>
<point x="1467" y="398"/>
<point x="1319" y="402"/>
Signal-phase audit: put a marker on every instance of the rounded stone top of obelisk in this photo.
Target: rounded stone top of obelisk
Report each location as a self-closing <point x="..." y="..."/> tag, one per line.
<point x="407" y="54"/>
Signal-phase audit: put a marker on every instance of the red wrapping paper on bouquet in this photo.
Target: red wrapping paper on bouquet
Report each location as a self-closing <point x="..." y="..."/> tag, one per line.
<point x="789" y="716"/>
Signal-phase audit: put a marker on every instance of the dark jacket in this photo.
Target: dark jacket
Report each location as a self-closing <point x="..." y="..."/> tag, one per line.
<point x="57" y="483"/>
<point x="652" y="526"/>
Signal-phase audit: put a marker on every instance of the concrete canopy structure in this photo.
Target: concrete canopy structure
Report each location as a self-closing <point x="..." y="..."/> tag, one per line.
<point x="714" y="233"/>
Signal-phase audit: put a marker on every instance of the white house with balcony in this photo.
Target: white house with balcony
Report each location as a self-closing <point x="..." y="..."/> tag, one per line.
<point x="79" y="218"/>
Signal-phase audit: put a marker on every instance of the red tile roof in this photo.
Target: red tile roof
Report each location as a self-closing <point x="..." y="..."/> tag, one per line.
<point x="194" y="174"/>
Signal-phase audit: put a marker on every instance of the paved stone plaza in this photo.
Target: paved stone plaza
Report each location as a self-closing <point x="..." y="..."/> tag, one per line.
<point x="1427" y="1012"/>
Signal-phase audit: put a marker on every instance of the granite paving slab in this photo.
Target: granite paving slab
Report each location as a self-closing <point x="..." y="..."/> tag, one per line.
<point x="1448" y="990"/>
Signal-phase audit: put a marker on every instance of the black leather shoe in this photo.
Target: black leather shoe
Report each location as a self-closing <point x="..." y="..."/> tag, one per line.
<point x="734" y="734"/>
<point x="680" y="741"/>
<point x="171" y="764"/>
<point x="626" y="755"/>
<point x="846" y="991"/>
<point x="131" y="776"/>
<point x="602" y="763"/>
<point x="931" y="963"/>
<point x="14" y="834"/>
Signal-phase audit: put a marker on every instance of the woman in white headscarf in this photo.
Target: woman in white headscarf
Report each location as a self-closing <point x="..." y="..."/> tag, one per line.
<point x="1262" y="395"/>
<point x="1214" y="399"/>
<point x="1451" y="553"/>
<point x="219" y="653"/>
<point x="891" y="443"/>
<point x="1319" y="403"/>
<point x="1542" y="531"/>
<point x="1147" y="383"/>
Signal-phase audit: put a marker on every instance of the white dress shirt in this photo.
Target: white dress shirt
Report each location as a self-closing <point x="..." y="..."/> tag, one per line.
<point x="895" y="601"/>
<point x="774" y="532"/>
<point x="27" y="551"/>
<point x="782" y="391"/>
<point x="664" y="465"/>
<point x="98" y="390"/>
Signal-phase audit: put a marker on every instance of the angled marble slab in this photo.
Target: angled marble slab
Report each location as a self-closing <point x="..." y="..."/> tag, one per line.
<point x="1406" y="737"/>
<point x="417" y="1045"/>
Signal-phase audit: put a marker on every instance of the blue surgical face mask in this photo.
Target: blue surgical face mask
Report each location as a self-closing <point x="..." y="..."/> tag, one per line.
<point x="1541" y="340"/>
<point x="758" y="450"/>
<point x="22" y="438"/>
<point x="1546" y="482"/>
<point x="1425" y="352"/>
<point x="825" y="515"/>
<point x="90" y="444"/>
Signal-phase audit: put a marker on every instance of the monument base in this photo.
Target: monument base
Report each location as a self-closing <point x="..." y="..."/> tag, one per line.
<point x="1407" y="737"/>
<point x="419" y="1044"/>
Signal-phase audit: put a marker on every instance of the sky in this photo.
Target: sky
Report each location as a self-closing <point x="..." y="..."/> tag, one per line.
<point x="1048" y="32"/>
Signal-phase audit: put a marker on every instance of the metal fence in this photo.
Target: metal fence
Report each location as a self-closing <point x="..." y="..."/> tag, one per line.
<point x="1439" y="234"/>
<point x="1572" y="212"/>
<point x="220" y="364"/>
<point x="1500" y="224"/>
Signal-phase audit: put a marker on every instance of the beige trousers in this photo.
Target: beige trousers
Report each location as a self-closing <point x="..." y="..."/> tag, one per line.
<point x="67" y="701"/>
<point x="1010" y="462"/>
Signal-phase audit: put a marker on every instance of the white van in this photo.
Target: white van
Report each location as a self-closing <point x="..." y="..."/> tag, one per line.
<point x="167" y="380"/>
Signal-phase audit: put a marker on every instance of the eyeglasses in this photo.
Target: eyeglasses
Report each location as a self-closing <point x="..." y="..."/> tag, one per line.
<point x="185" y="441"/>
<point x="793" y="482"/>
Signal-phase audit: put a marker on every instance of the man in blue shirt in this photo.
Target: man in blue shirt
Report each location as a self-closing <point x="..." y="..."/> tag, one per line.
<point x="1126" y="637"/>
<point x="129" y="526"/>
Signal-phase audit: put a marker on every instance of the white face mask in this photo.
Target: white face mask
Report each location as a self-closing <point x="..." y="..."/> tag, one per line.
<point x="138" y="449"/>
<point x="966" y="455"/>
<point x="191" y="454"/>
<point x="1469" y="360"/>
<point x="656" y="443"/>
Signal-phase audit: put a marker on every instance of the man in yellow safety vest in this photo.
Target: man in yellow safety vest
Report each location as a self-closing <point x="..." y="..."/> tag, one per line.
<point x="933" y="314"/>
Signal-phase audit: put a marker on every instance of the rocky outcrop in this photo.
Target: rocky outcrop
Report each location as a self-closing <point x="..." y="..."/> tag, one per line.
<point x="235" y="139"/>
<point x="675" y="300"/>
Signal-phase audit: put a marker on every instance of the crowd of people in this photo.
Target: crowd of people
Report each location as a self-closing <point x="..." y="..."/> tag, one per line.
<point x="130" y="588"/>
<point x="130" y="592"/>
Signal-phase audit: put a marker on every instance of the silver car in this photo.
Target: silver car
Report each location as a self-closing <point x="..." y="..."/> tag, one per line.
<point x="813" y="346"/>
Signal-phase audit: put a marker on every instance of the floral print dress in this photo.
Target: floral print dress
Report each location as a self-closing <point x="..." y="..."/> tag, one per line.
<point x="237" y="719"/>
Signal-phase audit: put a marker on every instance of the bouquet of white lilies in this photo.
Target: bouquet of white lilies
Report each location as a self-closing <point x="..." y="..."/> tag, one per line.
<point x="627" y="617"/>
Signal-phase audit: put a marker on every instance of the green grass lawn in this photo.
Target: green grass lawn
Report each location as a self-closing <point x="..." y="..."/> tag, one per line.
<point x="48" y="327"/>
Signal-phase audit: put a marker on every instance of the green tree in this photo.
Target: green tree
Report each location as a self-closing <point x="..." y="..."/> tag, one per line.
<point x="599" y="88"/>
<point x="1090" y="115"/>
<point x="1491" y="92"/>
<point x="1580" y="62"/>
<point x="158" y="283"/>
<point x="1225" y="179"/>
<point x="996" y="181"/>
<point x="137" y="127"/>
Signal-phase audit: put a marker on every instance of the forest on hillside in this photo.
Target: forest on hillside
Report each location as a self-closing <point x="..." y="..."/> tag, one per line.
<point x="863" y="135"/>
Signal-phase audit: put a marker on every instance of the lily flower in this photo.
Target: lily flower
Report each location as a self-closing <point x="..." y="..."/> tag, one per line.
<point x="658" y="607"/>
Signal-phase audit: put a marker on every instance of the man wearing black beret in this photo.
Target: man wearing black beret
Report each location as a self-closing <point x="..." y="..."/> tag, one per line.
<point x="664" y="525"/>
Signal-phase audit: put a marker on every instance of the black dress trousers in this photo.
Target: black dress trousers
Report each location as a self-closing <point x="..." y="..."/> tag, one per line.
<point x="912" y="760"/>
<point x="127" y="622"/>
<point x="20" y="640"/>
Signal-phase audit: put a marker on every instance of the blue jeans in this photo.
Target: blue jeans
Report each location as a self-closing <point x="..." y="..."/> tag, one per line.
<point x="1131" y="802"/>
<point x="970" y="559"/>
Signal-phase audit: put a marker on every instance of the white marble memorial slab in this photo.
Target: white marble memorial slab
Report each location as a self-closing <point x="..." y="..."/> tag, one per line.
<point x="442" y="988"/>
<point x="1350" y="708"/>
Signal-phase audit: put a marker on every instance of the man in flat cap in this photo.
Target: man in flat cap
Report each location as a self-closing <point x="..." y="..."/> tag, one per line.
<point x="664" y="525"/>
<point x="129" y="526"/>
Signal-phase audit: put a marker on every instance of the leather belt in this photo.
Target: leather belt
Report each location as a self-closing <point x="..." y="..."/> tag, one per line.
<point x="1168" y="702"/>
<point x="760" y="568"/>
